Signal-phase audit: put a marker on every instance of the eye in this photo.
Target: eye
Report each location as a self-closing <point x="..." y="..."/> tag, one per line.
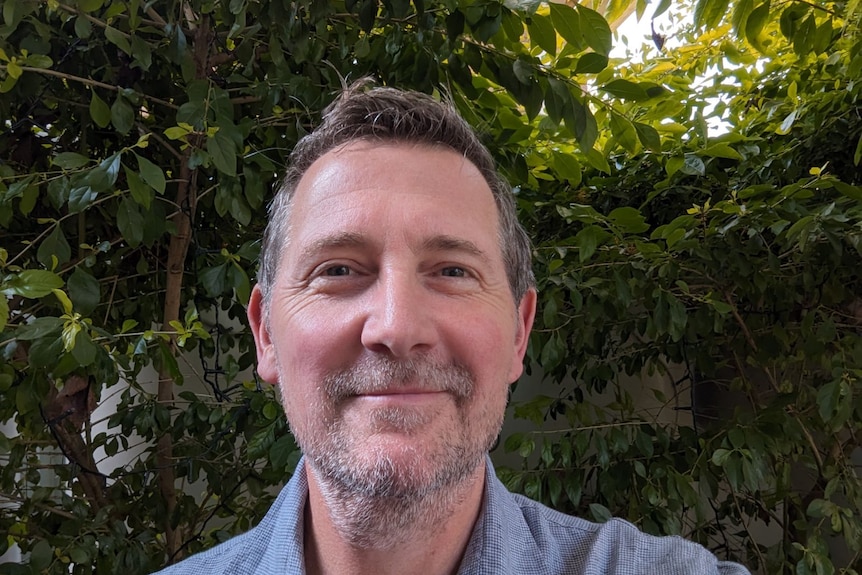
<point x="337" y="271"/>
<point x="453" y="272"/>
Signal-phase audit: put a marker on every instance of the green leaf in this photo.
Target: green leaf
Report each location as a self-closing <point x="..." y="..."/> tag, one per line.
<point x="755" y="24"/>
<point x="151" y="174"/>
<point x="39" y="61"/>
<point x="565" y="19"/>
<point x="709" y="13"/>
<point x="141" y="193"/>
<point x="367" y="14"/>
<point x="105" y="176"/>
<point x="542" y="33"/>
<point x="41" y="556"/>
<point x="4" y="317"/>
<point x="119" y="39"/>
<point x="70" y="160"/>
<point x="741" y="11"/>
<point x="648" y="136"/>
<point x="721" y="150"/>
<point x="597" y="160"/>
<point x="177" y="132"/>
<point x="281" y="451"/>
<point x="14" y="70"/>
<point x="33" y="283"/>
<point x="39" y="328"/>
<point x="99" y="110"/>
<point x="857" y="155"/>
<point x="580" y="120"/>
<point x="803" y="39"/>
<point x="80" y="555"/>
<point x="629" y="219"/>
<point x="600" y="513"/>
<point x="823" y="37"/>
<point x="84" y="350"/>
<point x="141" y="52"/>
<point x="595" y="29"/>
<point x="587" y="240"/>
<point x="80" y="198"/>
<point x="719" y="457"/>
<point x="590" y="63"/>
<point x="568" y="167"/>
<point x="693" y="166"/>
<point x="626" y="90"/>
<point x="192" y="113"/>
<point x="223" y="153"/>
<point x="624" y="132"/>
<point x="83" y="27"/>
<point x="84" y="291"/>
<point x="787" y="123"/>
<point x="673" y="165"/>
<point x="89" y="5"/>
<point x="122" y="115"/>
<point x="54" y="246"/>
<point x="214" y="279"/>
<point x="523" y="71"/>
<point x="130" y="222"/>
<point x="852" y="192"/>
<point x="454" y="24"/>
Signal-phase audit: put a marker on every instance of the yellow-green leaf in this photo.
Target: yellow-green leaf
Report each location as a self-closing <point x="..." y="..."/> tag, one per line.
<point x="14" y="70"/>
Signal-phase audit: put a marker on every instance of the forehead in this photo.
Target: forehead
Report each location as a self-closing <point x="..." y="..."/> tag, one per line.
<point x="365" y="184"/>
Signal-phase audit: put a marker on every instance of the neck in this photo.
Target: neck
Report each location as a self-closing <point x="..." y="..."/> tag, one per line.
<point x="354" y="533"/>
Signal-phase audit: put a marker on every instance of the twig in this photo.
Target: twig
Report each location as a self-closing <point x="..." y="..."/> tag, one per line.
<point x="90" y="82"/>
<point x="92" y="19"/>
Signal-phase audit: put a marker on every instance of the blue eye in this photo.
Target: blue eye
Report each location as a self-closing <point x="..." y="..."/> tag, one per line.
<point x="336" y="271"/>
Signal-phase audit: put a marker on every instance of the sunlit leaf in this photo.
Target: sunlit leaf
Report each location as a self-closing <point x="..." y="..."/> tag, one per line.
<point x="32" y="283"/>
<point x="542" y="33"/>
<point x="567" y="23"/>
<point x="625" y="89"/>
<point x="595" y="29"/>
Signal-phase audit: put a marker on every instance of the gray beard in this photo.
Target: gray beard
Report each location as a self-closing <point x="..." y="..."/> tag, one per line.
<point x="373" y="521"/>
<point x="380" y="504"/>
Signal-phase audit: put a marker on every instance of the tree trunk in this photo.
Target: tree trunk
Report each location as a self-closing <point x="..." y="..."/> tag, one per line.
<point x="186" y="200"/>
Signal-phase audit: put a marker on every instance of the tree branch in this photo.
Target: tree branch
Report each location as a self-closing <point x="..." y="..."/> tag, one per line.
<point x="90" y="82"/>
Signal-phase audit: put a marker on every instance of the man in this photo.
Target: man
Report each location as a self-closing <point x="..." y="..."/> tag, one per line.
<point x="393" y="309"/>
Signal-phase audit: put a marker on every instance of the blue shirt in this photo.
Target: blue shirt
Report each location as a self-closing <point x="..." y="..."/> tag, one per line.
<point x="513" y="535"/>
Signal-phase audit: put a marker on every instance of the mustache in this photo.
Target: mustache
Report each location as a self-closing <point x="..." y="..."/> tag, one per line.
<point x="376" y="374"/>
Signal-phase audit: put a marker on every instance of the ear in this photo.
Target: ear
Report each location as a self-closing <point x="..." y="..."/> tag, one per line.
<point x="526" y="315"/>
<point x="267" y="365"/>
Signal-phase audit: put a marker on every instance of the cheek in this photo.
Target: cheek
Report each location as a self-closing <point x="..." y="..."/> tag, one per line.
<point x="316" y="340"/>
<point x="487" y="348"/>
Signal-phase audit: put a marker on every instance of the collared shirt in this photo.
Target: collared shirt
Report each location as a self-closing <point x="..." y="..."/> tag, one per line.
<point x="513" y="535"/>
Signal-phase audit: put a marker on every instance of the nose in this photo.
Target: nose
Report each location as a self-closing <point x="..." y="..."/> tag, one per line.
<point x="399" y="320"/>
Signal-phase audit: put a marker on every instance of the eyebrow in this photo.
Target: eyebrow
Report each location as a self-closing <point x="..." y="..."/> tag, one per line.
<point x="334" y="241"/>
<point x="439" y="243"/>
<point x="445" y="243"/>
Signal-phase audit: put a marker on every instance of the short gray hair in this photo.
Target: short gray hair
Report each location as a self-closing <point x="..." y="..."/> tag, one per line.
<point x="398" y="116"/>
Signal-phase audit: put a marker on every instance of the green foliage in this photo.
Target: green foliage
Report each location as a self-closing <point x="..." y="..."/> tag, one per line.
<point x="140" y="141"/>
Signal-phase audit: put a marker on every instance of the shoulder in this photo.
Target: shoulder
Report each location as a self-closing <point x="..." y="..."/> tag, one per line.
<point x="228" y="557"/>
<point x="570" y="545"/>
<point x="254" y="551"/>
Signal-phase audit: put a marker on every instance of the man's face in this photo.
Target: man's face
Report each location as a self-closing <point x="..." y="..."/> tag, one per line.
<point x="391" y="327"/>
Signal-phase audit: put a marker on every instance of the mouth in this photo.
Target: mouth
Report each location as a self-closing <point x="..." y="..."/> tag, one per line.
<point x="401" y="395"/>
